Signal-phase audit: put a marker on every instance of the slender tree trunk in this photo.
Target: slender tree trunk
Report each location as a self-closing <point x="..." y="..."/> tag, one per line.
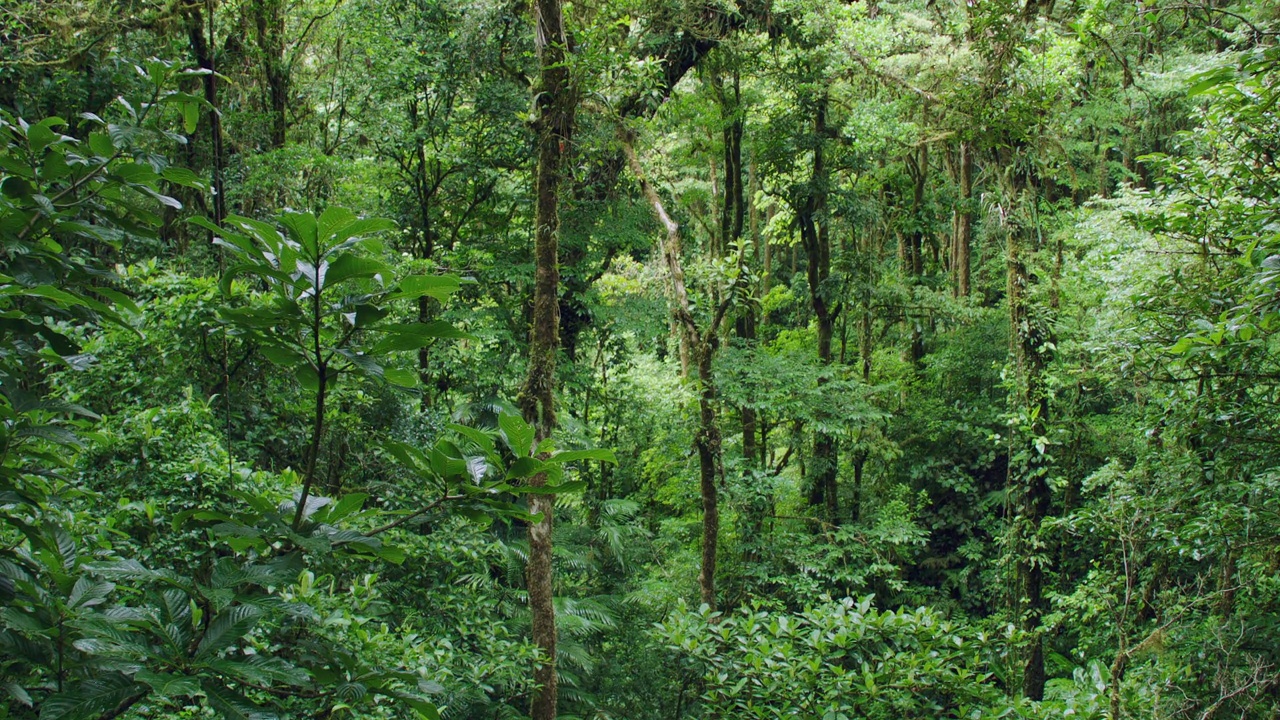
<point x="915" y="246"/>
<point x="964" y="221"/>
<point x="708" y="446"/>
<point x="732" y="217"/>
<point x="859" y="467"/>
<point x="1103" y="171"/>
<point x="703" y="345"/>
<point x="811" y="211"/>
<point x="268" y="19"/>
<point x="556" y="103"/>
<point x="203" y="51"/>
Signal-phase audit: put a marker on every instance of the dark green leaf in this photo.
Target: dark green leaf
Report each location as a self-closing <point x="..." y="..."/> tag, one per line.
<point x="227" y="629"/>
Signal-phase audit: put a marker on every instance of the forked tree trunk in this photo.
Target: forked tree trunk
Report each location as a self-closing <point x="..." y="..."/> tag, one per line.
<point x="703" y="344"/>
<point x="556" y="103"/>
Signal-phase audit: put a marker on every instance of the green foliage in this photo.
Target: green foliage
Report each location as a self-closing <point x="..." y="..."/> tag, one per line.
<point x="262" y="468"/>
<point x="324" y="313"/>
<point x="838" y="660"/>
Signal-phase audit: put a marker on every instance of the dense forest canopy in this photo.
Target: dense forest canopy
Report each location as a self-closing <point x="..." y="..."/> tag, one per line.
<point x="639" y="359"/>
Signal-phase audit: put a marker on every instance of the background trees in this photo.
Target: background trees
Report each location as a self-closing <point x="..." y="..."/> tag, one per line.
<point x="933" y="343"/>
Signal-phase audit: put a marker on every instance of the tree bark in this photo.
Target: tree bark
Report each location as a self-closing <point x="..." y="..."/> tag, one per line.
<point x="203" y="51"/>
<point x="556" y="104"/>
<point x="733" y="216"/>
<point x="811" y="217"/>
<point x="268" y="20"/>
<point x="703" y="344"/>
<point x="918" y="165"/>
<point x="1030" y="355"/>
<point x="964" y="221"/>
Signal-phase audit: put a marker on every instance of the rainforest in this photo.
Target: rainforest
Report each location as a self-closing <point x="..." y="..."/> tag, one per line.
<point x="639" y="359"/>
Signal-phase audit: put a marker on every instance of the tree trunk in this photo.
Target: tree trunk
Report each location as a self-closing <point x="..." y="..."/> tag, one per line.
<point x="919" y="166"/>
<point x="733" y="215"/>
<point x="1030" y="357"/>
<point x="708" y="446"/>
<point x="964" y="221"/>
<point x="703" y="345"/>
<point x="203" y="51"/>
<point x="268" y="20"/>
<point x="810" y="214"/>
<point x="556" y="102"/>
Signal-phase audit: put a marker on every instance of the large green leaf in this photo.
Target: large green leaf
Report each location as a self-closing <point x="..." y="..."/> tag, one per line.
<point x="425" y="708"/>
<point x="360" y="228"/>
<point x="525" y="467"/>
<point x="227" y="628"/>
<point x="517" y="433"/>
<point x="333" y="220"/>
<point x="260" y="670"/>
<point x="600" y="454"/>
<point x="348" y="266"/>
<point x="303" y="230"/>
<point x="407" y="455"/>
<point x="168" y="685"/>
<point x="231" y="705"/>
<point x="402" y="377"/>
<point x="413" y="336"/>
<point x="439" y="287"/>
<point x="92" y="698"/>
<point x="480" y="438"/>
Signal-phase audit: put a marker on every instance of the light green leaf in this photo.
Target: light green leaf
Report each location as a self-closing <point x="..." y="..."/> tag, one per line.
<point x="402" y="377"/>
<point x="601" y="454"/>
<point x="303" y="230"/>
<point x="439" y="287"/>
<point x="190" y="117"/>
<point x="517" y="433"/>
<point x="348" y="266"/>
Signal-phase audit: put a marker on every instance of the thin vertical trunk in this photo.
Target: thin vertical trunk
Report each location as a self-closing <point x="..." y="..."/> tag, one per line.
<point x="703" y="344"/>
<point x="556" y="102"/>
<point x="868" y="246"/>
<point x="859" y="467"/>
<point x="707" y="443"/>
<point x="915" y="243"/>
<point x="811" y="217"/>
<point x="203" y="50"/>
<point x="1103" y="171"/>
<point x="750" y="322"/>
<point x="766" y="282"/>
<point x="732" y="216"/>
<point x="964" y="221"/>
<point x="269" y="19"/>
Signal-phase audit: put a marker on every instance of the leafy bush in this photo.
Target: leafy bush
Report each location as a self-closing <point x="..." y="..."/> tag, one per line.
<point x="838" y="660"/>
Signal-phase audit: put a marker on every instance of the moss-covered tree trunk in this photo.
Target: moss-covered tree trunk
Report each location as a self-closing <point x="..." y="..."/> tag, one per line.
<point x="1031" y="356"/>
<point x="268" y="17"/>
<point x="556" y="103"/>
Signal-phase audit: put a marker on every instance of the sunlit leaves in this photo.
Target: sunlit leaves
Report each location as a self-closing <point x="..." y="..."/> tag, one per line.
<point x="329" y="295"/>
